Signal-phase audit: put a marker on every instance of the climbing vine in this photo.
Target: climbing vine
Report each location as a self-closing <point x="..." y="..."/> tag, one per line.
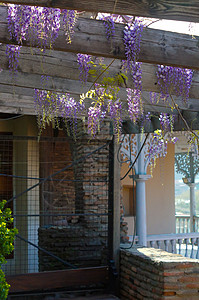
<point x="41" y="26"/>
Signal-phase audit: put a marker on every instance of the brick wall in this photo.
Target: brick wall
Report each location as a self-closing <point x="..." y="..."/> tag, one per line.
<point x="75" y="244"/>
<point x="148" y="273"/>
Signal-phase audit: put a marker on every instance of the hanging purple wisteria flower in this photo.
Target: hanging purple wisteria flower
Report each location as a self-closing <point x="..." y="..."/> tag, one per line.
<point x="132" y="37"/>
<point x="12" y="53"/>
<point x="49" y="25"/>
<point x="84" y="66"/>
<point x="39" y="26"/>
<point x="69" y="20"/>
<point x="50" y="106"/>
<point x="134" y="104"/>
<point x="94" y="117"/>
<point x="166" y="122"/>
<point x="18" y="21"/>
<point x="109" y="24"/>
<point x="174" y="80"/>
<point x="159" y="144"/>
<point x="115" y="113"/>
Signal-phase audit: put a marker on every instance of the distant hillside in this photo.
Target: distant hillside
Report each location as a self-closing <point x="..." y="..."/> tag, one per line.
<point x="182" y="196"/>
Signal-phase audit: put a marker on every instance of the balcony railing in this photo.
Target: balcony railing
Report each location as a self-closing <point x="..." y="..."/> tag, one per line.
<point x="183" y="224"/>
<point x="186" y="244"/>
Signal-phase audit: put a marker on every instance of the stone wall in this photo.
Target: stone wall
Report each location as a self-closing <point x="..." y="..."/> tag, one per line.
<point x="148" y="273"/>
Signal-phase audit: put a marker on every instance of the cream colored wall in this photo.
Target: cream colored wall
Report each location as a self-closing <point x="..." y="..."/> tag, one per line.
<point x="160" y="191"/>
<point x="160" y="196"/>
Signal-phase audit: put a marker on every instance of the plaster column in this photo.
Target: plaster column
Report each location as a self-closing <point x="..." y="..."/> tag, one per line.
<point x="192" y="206"/>
<point x="141" y="227"/>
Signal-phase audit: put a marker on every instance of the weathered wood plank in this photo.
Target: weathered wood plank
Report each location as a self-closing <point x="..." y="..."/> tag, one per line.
<point x="57" y="279"/>
<point x="157" y="46"/>
<point x="162" y="9"/>
<point x="60" y="65"/>
<point x="21" y="100"/>
<point x="20" y="103"/>
<point x="24" y="84"/>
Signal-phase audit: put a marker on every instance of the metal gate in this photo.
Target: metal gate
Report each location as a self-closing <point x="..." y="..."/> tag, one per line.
<point x="60" y="193"/>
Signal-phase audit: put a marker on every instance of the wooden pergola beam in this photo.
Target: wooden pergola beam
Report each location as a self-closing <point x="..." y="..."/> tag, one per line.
<point x="20" y="93"/>
<point x="161" y="9"/>
<point x="60" y="66"/>
<point x="157" y="46"/>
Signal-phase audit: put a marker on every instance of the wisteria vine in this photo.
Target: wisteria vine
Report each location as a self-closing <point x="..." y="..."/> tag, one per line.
<point x="40" y="27"/>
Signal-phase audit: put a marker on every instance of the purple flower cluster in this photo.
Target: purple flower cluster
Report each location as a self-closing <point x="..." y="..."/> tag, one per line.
<point x="94" y="118"/>
<point x="39" y="25"/>
<point x="132" y="37"/>
<point x="154" y="97"/>
<point x="158" y="146"/>
<point x="166" y="122"/>
<point x="69" y="20"/>
<point x="115" y="113"/>
<point x="49" y="106"/>
<point x="97" y="112"/>
<point x="174" y="80"/>
<point x="134" y="104"/>
<point x="110" y="26"/>
<point x="12" y="53"/>
<point x="35" y="24"/>
<point x="49" y="25"/>
<point x="18" y="21"/>
<point x="84" y="66"/>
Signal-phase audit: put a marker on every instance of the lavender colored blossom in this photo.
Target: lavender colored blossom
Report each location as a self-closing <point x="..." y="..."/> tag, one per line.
<point x="31" y="23"/>
<point x="174" y="80"/>
<point x="50" y="106"/>
<point x="132" y="37"/>
<point x="94" y="117"/>
<point x="69" y="20"/>
<point x="12" y="53"/>
<point x="134" y="104"/>
<point x="159" y="144"/>
<point x="166" y="122"/>
<point x="115" y="113"/>
<point x="84" y="66"/>
<point x="110" y="27"/>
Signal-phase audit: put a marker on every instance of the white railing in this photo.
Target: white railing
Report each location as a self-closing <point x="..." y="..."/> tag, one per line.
<point x="186" y="244"/>
<point x="183" y="224"/>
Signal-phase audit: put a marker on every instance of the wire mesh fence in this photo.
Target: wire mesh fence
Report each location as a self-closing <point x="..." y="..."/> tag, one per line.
<point x="59" y="193"/>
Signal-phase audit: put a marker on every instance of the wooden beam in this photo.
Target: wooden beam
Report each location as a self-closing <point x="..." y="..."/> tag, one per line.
<point x="46" y="281"/>
<point x="20" y="103"/>
<point x="59" y="66"/>
<point x="157" y="46"/>
<point x="24" y="84"/>
<point x="161" y="9"/>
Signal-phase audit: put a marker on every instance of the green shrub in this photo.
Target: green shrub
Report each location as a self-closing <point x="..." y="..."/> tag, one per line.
<point x="7" y="235"/>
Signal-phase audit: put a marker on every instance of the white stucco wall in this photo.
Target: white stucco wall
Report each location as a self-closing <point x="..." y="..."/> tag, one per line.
<point x="160" y="196"/>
